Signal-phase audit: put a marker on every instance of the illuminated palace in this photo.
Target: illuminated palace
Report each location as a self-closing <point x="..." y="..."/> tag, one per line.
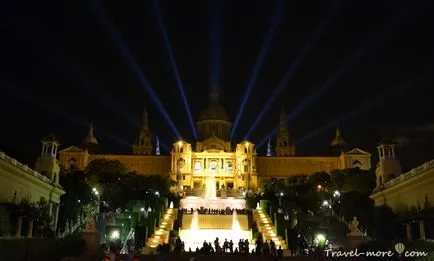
<point x="234" y="166"/>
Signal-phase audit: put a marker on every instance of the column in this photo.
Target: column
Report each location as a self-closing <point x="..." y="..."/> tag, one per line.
<point x="56" y="218"/>
<point x="422" y="229"/>
<point x="408" y="230"/>
<point x="30" y="229"/>
<point x="18" y="229"/>
<point x="50" y="210"/>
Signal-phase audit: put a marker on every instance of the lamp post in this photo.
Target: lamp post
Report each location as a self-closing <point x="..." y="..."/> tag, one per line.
<point x="158" y="196"/>
<point x="280" y="202"/>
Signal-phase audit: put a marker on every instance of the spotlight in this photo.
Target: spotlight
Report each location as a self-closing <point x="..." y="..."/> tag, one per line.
<point x="174" y="67"/>
<point x="115" y="235"/>
<point x="274" y="22"/>
<point x="294" y="67"/>
<point x="126" y="53"/>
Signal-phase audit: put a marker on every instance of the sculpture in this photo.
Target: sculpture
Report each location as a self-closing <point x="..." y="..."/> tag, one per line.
<point x="90" y="225"/>
<point x="354" y="226"/>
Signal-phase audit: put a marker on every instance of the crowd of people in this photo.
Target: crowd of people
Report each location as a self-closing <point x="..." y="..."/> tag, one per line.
<point x="242" y="247"/>
<point x="210" y="211"/>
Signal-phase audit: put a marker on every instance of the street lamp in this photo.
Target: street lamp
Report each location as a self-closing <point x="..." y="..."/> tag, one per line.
<point x="158" y="196"/>
<point x="280" y="202"/>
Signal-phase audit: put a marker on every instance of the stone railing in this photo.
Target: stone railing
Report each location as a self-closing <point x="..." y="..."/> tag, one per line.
<point x="71" y="226"/>
<point x="413" y="172"/>
<point x="23" y="167"/>
<point x="224" y="193"/>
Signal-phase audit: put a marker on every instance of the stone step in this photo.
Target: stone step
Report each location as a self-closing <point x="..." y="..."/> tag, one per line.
<point x="162" y="233"/>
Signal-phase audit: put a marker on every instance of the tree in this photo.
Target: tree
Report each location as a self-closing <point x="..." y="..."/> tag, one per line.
<point x="117" y="187"/>
<point x="105" y="171"/>
<point x="41" y="218"/>
<point x="78" y="195"/>
<point x="320" y="178"/>
<point x="353" y="179"/>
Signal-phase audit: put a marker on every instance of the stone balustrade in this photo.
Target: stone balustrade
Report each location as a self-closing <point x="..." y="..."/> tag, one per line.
<point x="23" y="167"/>
<point x="413" y="172"/>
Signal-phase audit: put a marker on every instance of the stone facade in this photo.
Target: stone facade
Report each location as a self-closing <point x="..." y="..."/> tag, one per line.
<point x="213" y="154"/>
<point x="18" y="181"/>
<point x="404" y="191"/>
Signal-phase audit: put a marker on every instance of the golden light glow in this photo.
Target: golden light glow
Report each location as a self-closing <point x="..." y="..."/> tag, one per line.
<point x="180" y="143"/>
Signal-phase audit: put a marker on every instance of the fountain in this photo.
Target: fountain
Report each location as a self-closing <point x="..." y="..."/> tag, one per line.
<point x="198" y="228"/>
<point x="171" y="204"/>
<point x="258" y="206"/>
<point x="210" y="188"/>
<point x="195" y="221"/>
<point x="235" y="223"/>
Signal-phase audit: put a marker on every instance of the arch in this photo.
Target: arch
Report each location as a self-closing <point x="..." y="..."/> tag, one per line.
<point x="357" y="163"/>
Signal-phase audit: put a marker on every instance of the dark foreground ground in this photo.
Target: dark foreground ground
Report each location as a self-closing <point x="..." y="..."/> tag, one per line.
<point x="186" y="257"/>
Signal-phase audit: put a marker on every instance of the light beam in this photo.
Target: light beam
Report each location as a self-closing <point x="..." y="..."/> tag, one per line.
<point x="173" y="64"/>
<point x="316" y="34"/>
<point x="71" y="66"/>
<point x="273" y="24"/>
<point x="216" y="43"/>
<point x="37" y="101"/>
<point x="126" y="53"/>
<point x="336" y="75"/>
<point x="347" y="117"/>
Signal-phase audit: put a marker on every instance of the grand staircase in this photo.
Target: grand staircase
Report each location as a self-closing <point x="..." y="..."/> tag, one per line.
<point x="162" y="233"/>
<point x="267" y="229"/>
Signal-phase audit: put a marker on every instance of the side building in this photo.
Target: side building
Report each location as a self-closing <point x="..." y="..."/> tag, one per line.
<point x="402" y="191"/>
<point x="411" y="192"/>
<point x="233" y="165"/>
<point x="18" y="181"/>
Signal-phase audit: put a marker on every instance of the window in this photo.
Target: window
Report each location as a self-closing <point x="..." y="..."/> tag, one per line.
<point x="181" y="165"/>
<point x="229" y="166"/>
<point x="197" y="166"/>
<point x="181" y="150"/>
<point x="245" y="150"/>
<point x="357" y="163"/>
<point x="72" y="164"/>
<point x="213" y="165"/>
<point x="183" y="177"/>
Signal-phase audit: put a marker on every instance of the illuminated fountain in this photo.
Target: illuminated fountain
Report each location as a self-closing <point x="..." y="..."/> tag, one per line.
<point x="236" y="228"/>
<point x="210" y="199"/>
<point x="197" y="228"/>
<point x="210" y="188"/>
<point x="171" y="204"/>
<point x="195" y="221"/>
<point x="258" y="206"/>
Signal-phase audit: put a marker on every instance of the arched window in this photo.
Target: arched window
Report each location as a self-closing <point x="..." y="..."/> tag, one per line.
<point x="197" y="166"/>
<point x="181" y="163"/>
<point x="213" y="165"/>
<point x="229" y="166"/>
<point x="356" y="164"/>
<point x="72" y="163"/>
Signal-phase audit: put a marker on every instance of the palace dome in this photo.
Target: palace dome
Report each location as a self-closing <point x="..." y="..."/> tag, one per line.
<point x="214" y="111"/>
<point x="213" y="120"/>
<point x="90" y="140"/>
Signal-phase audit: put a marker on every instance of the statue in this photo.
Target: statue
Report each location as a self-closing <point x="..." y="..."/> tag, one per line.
<point x="90" y="225"/>
<point x="354" y="227"/>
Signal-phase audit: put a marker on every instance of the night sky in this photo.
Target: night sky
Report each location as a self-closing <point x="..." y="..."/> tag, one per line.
<point x="61" y="68"/>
